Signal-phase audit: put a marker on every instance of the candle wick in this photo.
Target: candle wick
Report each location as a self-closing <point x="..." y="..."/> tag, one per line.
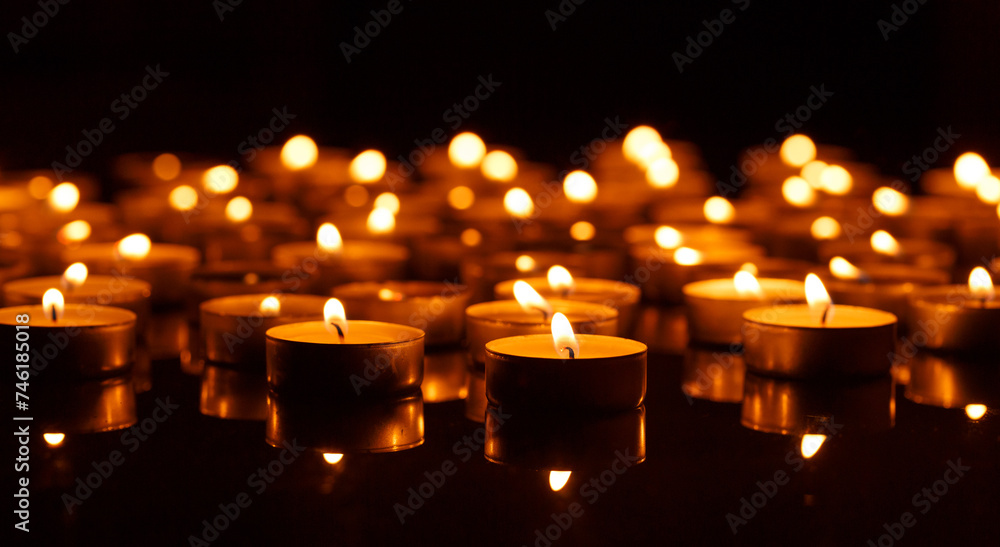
<point x="826" y="311"/>
<point x="572" y="354"/>
<point x="53" y="308"/>
<point x="340" y="331"/>
<point x="545" y="314"/>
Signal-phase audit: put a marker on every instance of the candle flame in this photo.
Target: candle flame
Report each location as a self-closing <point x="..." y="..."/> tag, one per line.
<point x="988" y="190"/>
<point x="54" y="439"/>
<point x="563" y="338"/>
<point x="518" y="203"/>
<point x="166" y="166"/>
<point x="686" y="256"/>
<point x="747" y="285"/>
<point x="335" y="318"/>
<point x="812" y="171"/>
<point x="890" y="202"/>
<point x="39" y="187"/>
<point x="798" y="192"/>
<point x="883" y="243"/>
<point x="975" y="411"/>
<point x="825" y="228"/>
<point x="560" y="279"/>
<point x="328" y="238"/>
<point x="718" y="210"/>
<point x="64" y="197"/>
<point x="970" y="168"/>
<point x="530" y="300"/>
<point x="461" y="197"/>
<point x="637" y="139"/>
<point x="332" y="459"/>
<point x="239" y="209"/>
<point x="797" y="150"/>
<point x="381" y="221"/>
<point x="74" y="232"/>
<point x="524" y="263"/>
<point x="134" y="247"/>
<point x="841" y="268"/>
<point x="558" y="479"/>
<point x="651" y="152"/>
<point x="811" y="443"/>
<point x="466" y="150"/>
<point x="389" y="295"/>
<point x="499" y="166"/>
<point x="471" y="237"/>
<point x="580" y="187"/>
<point x="53" y="304"/>
<point x="220" y="179"/>
<point x="387" y="200"/>
<point x="183" y="198"/>
<point x="270" y="306"/>
<point x="749" y="267"/>
<point x="663" y="173"/>
<point x="836" y="180"/>
<point x="582" y="231"/>
<point x="820" y="304"/>
<point x="668" y="237"/>
<point x="300" y="152"/>
<point x="980" y="284"/>
<point x="368" y="166"/>
<point x="74" y="276"/>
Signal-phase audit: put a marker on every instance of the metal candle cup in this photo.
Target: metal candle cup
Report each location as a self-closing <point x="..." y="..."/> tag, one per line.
<point x="101" y="290"/>
<point x="884" y="286"/>
<point x="357" y="261"/>
<point x="167" y="268"/>
<point x="715" y="307"/>
<point x="952" y="319"/>
<point x="619" y="295"/>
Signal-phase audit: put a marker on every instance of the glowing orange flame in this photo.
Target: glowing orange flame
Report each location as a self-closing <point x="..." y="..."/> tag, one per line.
<point x="53" y="304"/>
<point x="335" y="318"/>
<point x="563" y="339"/>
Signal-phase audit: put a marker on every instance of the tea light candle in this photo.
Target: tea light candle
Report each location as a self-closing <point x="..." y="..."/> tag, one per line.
<point x="565" y="371"/>
<point x="883" y="247"/>
<point x="88" y="406"/>
<point x="96" y="340"/>
<point x="881" y="286"/>
<point x="345" y="360"/>
<point x="436" y="308"/>
<point x="957" y="318"/>
<point x="667" y="269"/>
<point x="816" y="339"/>
<point x="715" y="307"/>
<point x="233" y="327"/>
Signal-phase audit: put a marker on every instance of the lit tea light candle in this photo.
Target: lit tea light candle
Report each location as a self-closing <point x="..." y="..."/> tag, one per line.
<point x="565" y="371"/>
<point x="817" y="339"/>
<point x="883" y="247"/>
<point x="344" y="360"/>
<point x="715" y="307"/>
<point x="881" y="286"/>
<point x="233" y="327"/>
<point x="957" y="318"/>
<point x="662" y="273"/>
<point x="92" y="341"/>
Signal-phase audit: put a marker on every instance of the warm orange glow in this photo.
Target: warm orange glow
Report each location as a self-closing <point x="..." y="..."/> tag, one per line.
<point x="53" y="304"/>
<point x="836" y="180"/>
<point x="663" y="173"/>
<point x="381" y="221"/>
<point x="798" y="192"/>
<point x="563" y="338"/>
<point x="74" y="232"/>
<point x="825" y="228"/>
<point x="980" y="284"/>
<point x="582" y="231"/>
<point x="54" y="439"/>
<point x="166" y="166"/>
<point x="332" y="459"/>
<point x="328" y="238"/>
<point x="718" y="210"/>
<point x="389" y="295"/>
<point x="134" y="247"/>
<point x="183" y="198"/>
<point x="747" y="285"/>
<point x="820" y="304"/>
<point x="499" y="166"/>
<point x="335" y="318"/>
<point x="812" y="171"/>
<point x="988" y="190"/>
<point x="558" y="479"/>
<point x="530" y="300"/>
<point x="668" y="237"/>
<point x="356" y="195"/>
<point x="64" y="197"/>
<point x="39" y="187"/>
<point x="270" y="306"/>
<point x="220" y="179"/>
<point x="975" y="411"/>
<point x="651" y="152"/>
<point x="239" y="209"/>
<point x="518" y="203"/>
<point x="471" y="237"/>
<point x="580" y="187"/>
<point x="636" y="141"/>
<point x="368" y="166"/>
<point x="797" y="150"/>
<point x="466" y="150"/>
<point x="890" y="202"/>
<point x="524" y="263"/>
<point x="749" y="267"/>
<point x="461" y="197"/>
<point x="300" y="152"/>
<point x="841" y="268"/>
<point x="560" y="279"/>
<point x="387" y="200"/>
<point x="883" y="243"/>
<point x="811" y="443"/>
<point x="686" y="256"/>
<point x="970" y="168"/>
<point x="74" y="276"/>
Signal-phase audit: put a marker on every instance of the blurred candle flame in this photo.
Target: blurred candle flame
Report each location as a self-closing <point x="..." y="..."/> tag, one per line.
<point x="668" y="237"/>
<point x="883" y="243"/>
<point x="558" y="479"/>
<point x="471" y="237"/>
<point x="39" y="187"/>
<point x="563" y="339"/>
<point x="969" y="169"/>
<point x="134" y="247"/>
<point x="797" y="150"/>
<point x="387" y="200"/>
<point x="811" y="443"/>
<point x="636" y="142"/>
<point x="820" y="303"/>
<point x="368" y="166"/>
<point x="980" y="284"/>
<point x="335" y="318"/>
<point x="270" y="306"/>
<point x="798" y="192"/>
<point x="220" y="179"/>
<point x="663" y="173"/>
<point x="524" y="263"/>
<point x="749" y="267"/>
<point x="64" y="197"/>
<point x="747" y="285"/>
<point x="74" y="276"/>
<point x="890" y="201"/>
<point x="54" y="439"/>
<point x="461" y="198"/>
<point x="825" y="228"/>
<point x="836" y="180"/>
<point x="518" y="203"/>
<point x="499" y="166"/>
<point x="651" y="152"/>
<point x="580" y="187"/>
<point x="988" y="190"/>
<point x="975" y="411"/>
<point x="530" y="300"/>
<point x="466" y="150"/>
<point x="582" y="231"/>
<point x="74" y="232"/>
<point x="686" y="256"/>
<point x="166" y="166"/>
<point x="389" y="295"/>
<point x="239" y="209"/>
<point x="332" y="459"/>
<point x="53" y="304"/>
<point x="381" y="221"/>
<point x="841" y="268"/>
<point x="183" y="198"/>
<point x="812" y="171"/>
<point x="560" y="279"/>
<point x="328" y="238"/>
<point x="299" y="152"/>
<point x="718" y="210"/>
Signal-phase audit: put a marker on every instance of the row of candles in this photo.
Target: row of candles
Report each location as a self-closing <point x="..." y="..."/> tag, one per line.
<point x="552" y="342"/>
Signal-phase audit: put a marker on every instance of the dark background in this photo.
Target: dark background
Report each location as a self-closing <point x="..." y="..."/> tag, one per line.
<point x="606" y="59"/>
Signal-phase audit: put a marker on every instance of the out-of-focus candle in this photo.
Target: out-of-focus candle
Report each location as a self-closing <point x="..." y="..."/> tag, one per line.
<point x="883" y="247"/>
<point x="715" y="307"/>
<point x="881" y="286"/>
<point x="958" y="318"/>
